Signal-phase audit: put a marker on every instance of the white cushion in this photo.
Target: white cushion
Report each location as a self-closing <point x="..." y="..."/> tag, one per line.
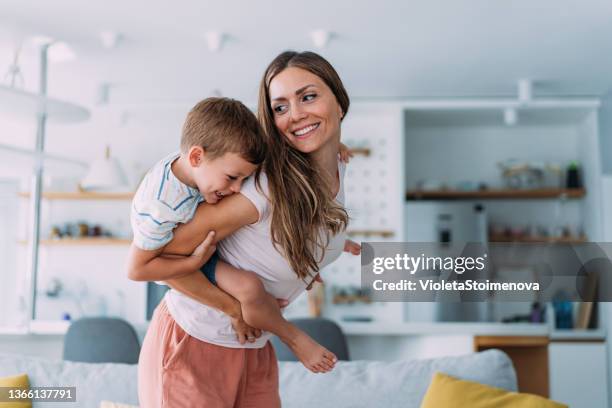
<point x="381" y="384"/>
<point x="351" y="384"/>
<point x="94" y="382"/>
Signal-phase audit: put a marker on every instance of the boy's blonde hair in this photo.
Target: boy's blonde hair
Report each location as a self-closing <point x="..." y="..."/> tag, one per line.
<point x="224" y="125"/>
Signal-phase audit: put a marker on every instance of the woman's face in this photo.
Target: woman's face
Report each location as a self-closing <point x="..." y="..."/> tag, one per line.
<point x="305" y="109"/>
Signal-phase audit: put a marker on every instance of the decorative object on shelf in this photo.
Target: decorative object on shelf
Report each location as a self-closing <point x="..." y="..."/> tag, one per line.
<point x="316" y="299"/>
<point x="105" y="174"/>
<point x="538" y="313"/>
<point x="574" y="179"/>
<point x="369" y="233"/>
<point x="349" y="295"/>
<point x="444" y="227"/>
<point x="517" y="174"/>
<point x="563" y="313"/>
<point x="79" y="229"/>
<point x="54" y="288"/>
<point x="534" y="234"/>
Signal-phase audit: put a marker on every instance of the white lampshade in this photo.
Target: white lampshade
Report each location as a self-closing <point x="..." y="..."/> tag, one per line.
<point x="105" y="174"/>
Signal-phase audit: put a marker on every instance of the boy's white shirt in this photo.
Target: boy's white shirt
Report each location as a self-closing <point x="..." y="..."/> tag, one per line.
<point x="161" y="202"/>
<point x="250" y="248"/>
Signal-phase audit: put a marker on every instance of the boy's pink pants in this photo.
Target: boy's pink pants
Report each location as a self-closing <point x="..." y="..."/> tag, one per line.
<point x="176" y="370"/>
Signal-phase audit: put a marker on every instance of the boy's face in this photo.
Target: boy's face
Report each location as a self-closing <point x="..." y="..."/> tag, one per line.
<point x="219" y="177"/>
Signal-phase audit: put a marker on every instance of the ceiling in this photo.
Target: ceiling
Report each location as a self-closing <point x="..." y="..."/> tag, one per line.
<point x="383" y="49"/>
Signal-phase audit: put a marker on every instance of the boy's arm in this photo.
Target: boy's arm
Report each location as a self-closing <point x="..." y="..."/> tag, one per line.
<point x="152" y="266"/>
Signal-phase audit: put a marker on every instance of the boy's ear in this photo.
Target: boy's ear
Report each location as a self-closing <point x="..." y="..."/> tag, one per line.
<point x="196" y="155"/>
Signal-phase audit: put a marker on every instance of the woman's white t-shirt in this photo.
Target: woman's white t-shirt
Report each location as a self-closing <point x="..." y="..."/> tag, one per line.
<point x="250" y="248"/>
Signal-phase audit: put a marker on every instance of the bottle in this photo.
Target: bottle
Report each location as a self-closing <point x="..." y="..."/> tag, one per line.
<point x="573" y="175"/>
<point x="445" y="234"/>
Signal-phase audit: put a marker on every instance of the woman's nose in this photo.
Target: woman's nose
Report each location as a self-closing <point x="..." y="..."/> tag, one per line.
<point x="297" y="113"/>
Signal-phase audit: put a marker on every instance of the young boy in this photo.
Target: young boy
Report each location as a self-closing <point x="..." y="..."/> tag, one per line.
<point x="222" y="144"/>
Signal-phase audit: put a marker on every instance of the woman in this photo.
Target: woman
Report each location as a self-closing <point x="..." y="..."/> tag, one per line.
<point x="285" y="226"/>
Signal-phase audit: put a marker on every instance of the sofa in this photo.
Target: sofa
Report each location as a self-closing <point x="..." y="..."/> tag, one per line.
<point x="351" y="384"/>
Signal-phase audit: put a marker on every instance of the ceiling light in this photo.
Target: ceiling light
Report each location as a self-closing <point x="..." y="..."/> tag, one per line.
<point x="320" y="38"/>
<point x="59" y="51"/>
<point x="110" y="39"/>
<point x="105" y="174"/>
<point x="215" y="39"/>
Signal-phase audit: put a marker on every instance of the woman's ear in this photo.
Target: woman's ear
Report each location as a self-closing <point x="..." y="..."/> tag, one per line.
<point x="196" y="155"/>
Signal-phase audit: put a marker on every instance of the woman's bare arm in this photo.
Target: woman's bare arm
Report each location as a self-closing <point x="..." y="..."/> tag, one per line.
<point x="224" y="218"/>
<point x="229" y="215"/>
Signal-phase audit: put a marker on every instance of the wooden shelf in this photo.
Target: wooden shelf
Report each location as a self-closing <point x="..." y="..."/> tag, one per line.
<point x="369" y="233"/>
<point x="349" y="299"/>
<point x="565" y="240"/>
<point x="540" y="193"/>
<point x="81" y="195"/>
<point x="82" y="241"/>
<point x="363" y="151"/>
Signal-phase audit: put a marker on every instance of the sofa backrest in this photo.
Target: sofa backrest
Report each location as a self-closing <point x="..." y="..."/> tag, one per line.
<point x="400" y="384"/>
<point x="351" y="384"/>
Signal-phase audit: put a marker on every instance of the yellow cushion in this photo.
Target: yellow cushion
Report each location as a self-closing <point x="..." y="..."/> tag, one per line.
<point x="449" y="392"/>
<point x="107" y="404"/>
<point x="17" y="381"/>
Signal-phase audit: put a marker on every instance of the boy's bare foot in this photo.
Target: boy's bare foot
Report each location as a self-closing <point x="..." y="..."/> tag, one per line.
<point x="315" y="357"/>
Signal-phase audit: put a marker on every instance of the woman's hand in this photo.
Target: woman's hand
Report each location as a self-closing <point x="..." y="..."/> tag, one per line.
<point x="345" y="153"/>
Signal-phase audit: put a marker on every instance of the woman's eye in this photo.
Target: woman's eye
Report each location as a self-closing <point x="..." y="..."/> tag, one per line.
<point x="309" y="97"/>
<point x="278" y="109"/>
<point x="232" y="178"/>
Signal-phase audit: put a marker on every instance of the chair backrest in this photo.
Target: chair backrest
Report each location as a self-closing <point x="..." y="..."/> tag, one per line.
<point x="101" y="340"/>
<point x="324" y="331"/>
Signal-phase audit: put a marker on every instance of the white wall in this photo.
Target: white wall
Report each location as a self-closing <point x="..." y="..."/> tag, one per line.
<point x="605" y="132"/>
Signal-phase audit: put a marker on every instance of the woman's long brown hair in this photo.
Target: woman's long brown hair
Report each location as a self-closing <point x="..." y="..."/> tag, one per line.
<point x="304" y="211"/>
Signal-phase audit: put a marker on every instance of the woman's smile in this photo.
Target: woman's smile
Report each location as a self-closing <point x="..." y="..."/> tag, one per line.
<point x="305" y="131"/>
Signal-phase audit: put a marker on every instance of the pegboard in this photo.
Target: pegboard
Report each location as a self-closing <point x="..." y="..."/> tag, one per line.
<point x="374" y="195"/>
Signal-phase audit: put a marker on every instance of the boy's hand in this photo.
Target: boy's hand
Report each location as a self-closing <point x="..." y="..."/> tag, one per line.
<point x="205" y="250"/>
<point x="345" y="153"/>
<point x="352" y="247"/>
